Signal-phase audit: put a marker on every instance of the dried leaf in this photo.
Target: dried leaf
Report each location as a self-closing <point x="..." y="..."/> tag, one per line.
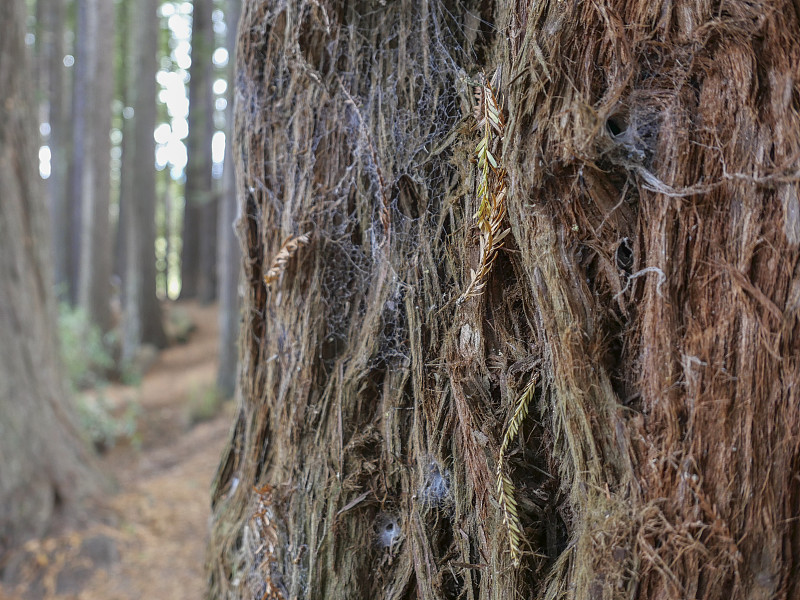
<point x="287" y="250"/>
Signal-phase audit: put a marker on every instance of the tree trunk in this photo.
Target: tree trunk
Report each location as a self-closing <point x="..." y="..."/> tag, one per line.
<point x="127" y="50"/>
<point x="142" y="313"/>
<point x="94" y="275"/>
<point x="53" y="27"/>
<point x="229" y="256"/>
<point x="45" y="466"/>
<point x="603" y="237"/>
<point x="81" y="90"/>
<point x="200" y="205"/>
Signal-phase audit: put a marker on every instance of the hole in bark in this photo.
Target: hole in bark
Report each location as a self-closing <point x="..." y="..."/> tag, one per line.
<point x="625" y="256"/>
<point x="616" y="125"/>
<point x="388" y="530"/>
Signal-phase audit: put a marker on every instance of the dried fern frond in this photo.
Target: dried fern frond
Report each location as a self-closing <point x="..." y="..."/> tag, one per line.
<point x="288" y="248"/>
<point x="505" y="487"/>
<point x="491" y="184"/>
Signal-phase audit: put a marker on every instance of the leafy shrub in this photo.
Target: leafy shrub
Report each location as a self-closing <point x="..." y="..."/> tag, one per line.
<point x="99" y="424"/>
<point x="204" y="404"/>
<point x="84" y="351"/>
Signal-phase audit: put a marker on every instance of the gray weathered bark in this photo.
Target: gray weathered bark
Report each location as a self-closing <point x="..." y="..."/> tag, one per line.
<point x="45" y="465"/>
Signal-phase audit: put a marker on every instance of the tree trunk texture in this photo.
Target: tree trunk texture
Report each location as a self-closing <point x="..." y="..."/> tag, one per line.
<point x="143" y="323"/>
<point x="94" y="274"/>
<point x="229" y="257"/>
<point x="45" y="466"/>
<point x="643" y="309"/>
<point x="198" y="264"/>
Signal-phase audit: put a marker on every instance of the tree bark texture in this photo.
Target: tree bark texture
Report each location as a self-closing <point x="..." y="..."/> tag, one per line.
<point x="45" y="466"/>
<point x="229" y="256"/>
<point x="197" y="261"/>
<point x="143" y="323"/>
<point x="645" y="303"/>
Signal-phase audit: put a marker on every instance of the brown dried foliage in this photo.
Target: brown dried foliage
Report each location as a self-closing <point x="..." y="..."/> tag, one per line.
<point x="651" y="277"/>
<point x="288" y="249"/>
<point x="491" y="184"/>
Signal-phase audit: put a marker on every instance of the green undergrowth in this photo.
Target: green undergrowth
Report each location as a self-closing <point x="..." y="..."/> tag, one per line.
<point x="204" y="403"/>
<point x="89" y="363"/>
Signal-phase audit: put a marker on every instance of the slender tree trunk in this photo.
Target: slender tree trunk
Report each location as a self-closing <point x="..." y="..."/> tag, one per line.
<point x="94" y="281"/>
<point x="80" y="90"/>
<point x="229" y="256"/>
<point x="198" y="265"/>
<point x="143" y="322"/>
<point x="57" y="100"/>
<point x="209" y="225"/>
<point x="45" y="466"/>
<point x="613" y="411"/>
<point x="127" y="52"/>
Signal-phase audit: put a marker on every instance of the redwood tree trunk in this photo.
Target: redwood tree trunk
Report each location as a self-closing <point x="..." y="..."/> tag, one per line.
<point x="198" y="255"/>
<point x="143" y="324"/>
<point x="55" y="92"/>
<point x="645" y="303"/>
<point x="229" y="258"/>
<point x="94" y="274"/>
<point x="45" y="466"/>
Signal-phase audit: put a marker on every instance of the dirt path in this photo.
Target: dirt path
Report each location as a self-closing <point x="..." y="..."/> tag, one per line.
<point x="148" y="539"/>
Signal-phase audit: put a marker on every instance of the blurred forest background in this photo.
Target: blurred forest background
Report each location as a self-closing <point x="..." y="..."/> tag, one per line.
<point x="133" y="102"/>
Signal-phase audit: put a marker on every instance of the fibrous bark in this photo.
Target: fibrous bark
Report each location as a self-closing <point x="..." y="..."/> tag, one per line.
<point x="649" y="281"/>
<point x="45" y="466"/>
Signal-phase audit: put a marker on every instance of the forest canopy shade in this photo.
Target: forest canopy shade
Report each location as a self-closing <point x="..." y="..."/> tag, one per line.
<point x="650" y="281"/>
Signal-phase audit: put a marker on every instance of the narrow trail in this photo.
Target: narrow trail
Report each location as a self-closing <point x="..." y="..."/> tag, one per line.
<point x="147" y="539"/>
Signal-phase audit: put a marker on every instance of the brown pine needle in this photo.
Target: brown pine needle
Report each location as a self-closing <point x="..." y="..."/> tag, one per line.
<point x="491" y="185"/>
<point x="505" y="487"/>
<point x="288" y="249"/>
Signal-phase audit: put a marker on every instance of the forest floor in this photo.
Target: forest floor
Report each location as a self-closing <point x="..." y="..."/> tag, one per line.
<point x="147" y="538"/>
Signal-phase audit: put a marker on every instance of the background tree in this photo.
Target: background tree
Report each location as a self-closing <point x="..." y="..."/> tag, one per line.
<point x="229" y="256"/>
<point x="198" y="255"/>
<point x="81" y="87"/>
<point x="94" y="273"/>
<point x="45" y="465"/>
<point x="55" y="97"/>
<point x="643" y="308"/>
<point x="142" y="310"/>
